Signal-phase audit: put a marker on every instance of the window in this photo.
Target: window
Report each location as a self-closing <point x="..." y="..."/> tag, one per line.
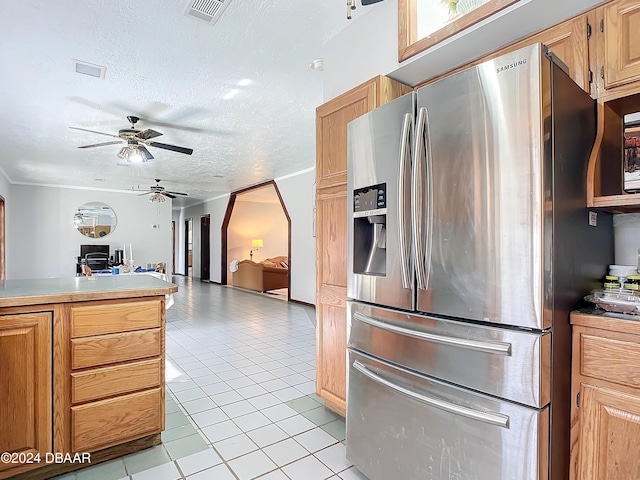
<point x="424" y="23"/>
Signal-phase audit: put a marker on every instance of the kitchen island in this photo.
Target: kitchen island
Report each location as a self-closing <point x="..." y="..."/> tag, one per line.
<point x="81" y="371"/>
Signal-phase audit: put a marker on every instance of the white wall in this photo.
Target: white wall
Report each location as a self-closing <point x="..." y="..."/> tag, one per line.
<point x="43" y="242"/>
<point x="297" y="192"/>
<point x="626" y="234"/>
<point x="250" y="220"/>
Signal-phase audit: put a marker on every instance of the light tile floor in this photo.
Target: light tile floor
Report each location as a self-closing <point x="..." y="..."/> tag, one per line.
<point x="240" y="372"/>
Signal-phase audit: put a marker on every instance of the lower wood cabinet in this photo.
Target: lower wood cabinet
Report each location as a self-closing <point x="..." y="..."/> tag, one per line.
<point x="26" y="389"/>
<point x="605" y="432"/>
<point x="114" y="421"/>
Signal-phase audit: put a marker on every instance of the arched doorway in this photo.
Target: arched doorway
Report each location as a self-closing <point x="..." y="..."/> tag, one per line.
<point x="235" y="199"/>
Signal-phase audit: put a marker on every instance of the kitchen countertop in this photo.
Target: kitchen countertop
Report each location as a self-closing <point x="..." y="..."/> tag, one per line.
<point x="77" y="289"/>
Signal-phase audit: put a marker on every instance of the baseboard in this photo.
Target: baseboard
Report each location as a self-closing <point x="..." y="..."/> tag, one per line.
<point x="300" y="302"/>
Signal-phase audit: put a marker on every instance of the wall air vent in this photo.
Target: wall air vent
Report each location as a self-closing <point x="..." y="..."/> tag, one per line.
<point x="87" y="68"/>
<point x="207" y="10"/>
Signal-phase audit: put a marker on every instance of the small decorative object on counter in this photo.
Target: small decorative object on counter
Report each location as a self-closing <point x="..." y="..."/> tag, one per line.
<point x="623" y="271"/>
<point x="611" y="281"/>
<point x="632" y="283"/>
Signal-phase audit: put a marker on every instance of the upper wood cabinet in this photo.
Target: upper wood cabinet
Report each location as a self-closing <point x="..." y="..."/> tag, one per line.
<point x="331" y="230"/>
<point x="331" y="125"/>
<point x="26" y="423"/>
<point x="621" y="25"/>
<point x="414" y="18"/>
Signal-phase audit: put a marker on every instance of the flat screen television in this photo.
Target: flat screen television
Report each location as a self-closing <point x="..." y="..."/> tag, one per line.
<point x="84" y="249"/>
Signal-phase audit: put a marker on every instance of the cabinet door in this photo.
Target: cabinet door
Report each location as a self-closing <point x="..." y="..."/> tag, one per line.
<point x="25" y="384"/>
<point x="331" y="208"/>
<point x="331" y="133"/>
<point x="622" y="42"/>
<point x="609" y="433"/>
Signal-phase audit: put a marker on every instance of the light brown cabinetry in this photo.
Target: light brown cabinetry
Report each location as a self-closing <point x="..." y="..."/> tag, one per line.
<point x="26" y="424"/>
<point x="605" y="431"/>
<point x="117" y="362"/>
<point x="331" y="229"/>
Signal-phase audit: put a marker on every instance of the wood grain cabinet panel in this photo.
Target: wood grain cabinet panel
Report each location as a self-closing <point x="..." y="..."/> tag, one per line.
<point x="609" y="436"/>
<point x="605" y="416"/>
<point x="105" y="382"/>
<point x="331" y="228"/>
<point x="114" y="348"/>
<point x="116" y="420"/>
<point x="25" y="384"/>
<point x="109" y="317"/>
<point x="621" y="42"/>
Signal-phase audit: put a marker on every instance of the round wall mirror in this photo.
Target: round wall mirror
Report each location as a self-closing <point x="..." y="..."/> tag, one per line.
<point x="95" y="220"/>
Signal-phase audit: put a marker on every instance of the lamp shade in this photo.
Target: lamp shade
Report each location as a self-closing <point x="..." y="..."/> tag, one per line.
<point x="257" y="243"/>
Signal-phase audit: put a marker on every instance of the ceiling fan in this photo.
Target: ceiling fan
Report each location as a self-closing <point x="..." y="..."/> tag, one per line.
<point x="135" y="150"/>
<point x="158" y="192"/>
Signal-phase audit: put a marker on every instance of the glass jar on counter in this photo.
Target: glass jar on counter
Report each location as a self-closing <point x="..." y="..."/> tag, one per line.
<point x="611" y="281"/>
<point x="632" y="283"/>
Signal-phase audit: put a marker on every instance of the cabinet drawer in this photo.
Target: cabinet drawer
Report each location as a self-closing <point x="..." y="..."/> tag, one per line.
<point x="105" y="318"/>
<point x="610" y="360"/>
<point x="107" y="382"/>
<point x="119" y="347"/>
<point x="116" y="420"/>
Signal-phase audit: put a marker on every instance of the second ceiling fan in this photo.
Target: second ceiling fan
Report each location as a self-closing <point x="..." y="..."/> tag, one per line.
<point x="136" y="141"/>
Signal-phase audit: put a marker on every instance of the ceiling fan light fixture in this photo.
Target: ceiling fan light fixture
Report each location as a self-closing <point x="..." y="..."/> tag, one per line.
<point x="156" y="198"/>
<point x="133" y="154"/>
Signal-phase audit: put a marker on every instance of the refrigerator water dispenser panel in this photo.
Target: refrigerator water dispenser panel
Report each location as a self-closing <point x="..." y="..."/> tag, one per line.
<point x="370" y="230"/>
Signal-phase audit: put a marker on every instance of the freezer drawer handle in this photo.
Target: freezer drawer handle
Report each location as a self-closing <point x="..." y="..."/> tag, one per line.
<point x="500" y="348"/>
<point x="492" y="418"/>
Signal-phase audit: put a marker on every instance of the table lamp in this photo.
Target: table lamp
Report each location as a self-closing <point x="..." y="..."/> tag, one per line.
<point x="256" y="243"/>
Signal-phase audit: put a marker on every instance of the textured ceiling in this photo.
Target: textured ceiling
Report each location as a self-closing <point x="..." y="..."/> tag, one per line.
<point x="240" y="92"/>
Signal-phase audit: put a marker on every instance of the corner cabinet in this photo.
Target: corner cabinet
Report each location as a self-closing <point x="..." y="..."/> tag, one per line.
<point x="605" y="426"/>
<point x="331" y="229"/>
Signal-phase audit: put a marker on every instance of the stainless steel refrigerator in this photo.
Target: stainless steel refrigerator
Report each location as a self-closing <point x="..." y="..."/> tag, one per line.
<point x="469" y="244"/>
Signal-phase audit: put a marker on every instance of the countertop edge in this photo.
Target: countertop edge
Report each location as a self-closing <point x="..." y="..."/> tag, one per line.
<point x="605" y="323"/>
<point x="45" y="299"/>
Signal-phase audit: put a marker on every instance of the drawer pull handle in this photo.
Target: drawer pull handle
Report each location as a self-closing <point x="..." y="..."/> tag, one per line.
<point x="492" y="418"/>
<point x="499" y="348"/>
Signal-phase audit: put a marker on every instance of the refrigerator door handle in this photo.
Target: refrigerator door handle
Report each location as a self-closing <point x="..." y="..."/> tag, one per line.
<point x="492" y="418"/>
<point x="427" y="181"/>
<point x="417" y="200"/>
<point x="404" y="210"/>
<point x="496" y="348"/>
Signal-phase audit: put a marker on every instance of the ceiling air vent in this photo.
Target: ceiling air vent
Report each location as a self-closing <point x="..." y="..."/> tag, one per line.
<point x="207" y="10"/>
<point x="87" y="68"/>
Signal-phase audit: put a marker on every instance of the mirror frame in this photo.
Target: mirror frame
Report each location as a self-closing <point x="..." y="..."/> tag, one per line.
<point x="408" y="43"/>
<point x="78" y="227"/>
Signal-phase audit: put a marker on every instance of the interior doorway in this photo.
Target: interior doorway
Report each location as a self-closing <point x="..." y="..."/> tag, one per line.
<point x="205" y="247"/>
<point x="188" y="247"/>
<point x="257" y="228"/>
<point x="173" y="247"/>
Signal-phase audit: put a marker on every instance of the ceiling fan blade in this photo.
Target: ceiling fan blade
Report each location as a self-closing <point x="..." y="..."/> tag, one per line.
<point x="93" y="131"/>
<point x="178" y="193"/>
<point x="100" y="144"/>
<point x="173" y="148"/>
<point x="167" y="194"/>
<point x="145" y="153"/>
<point x="147" y="134"/>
